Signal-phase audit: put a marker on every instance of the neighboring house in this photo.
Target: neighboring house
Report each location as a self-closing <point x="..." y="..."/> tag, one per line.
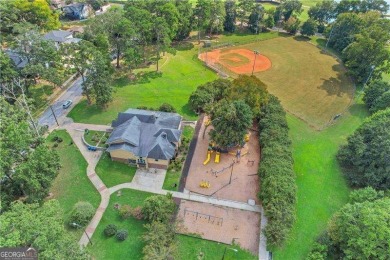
<point x="77" y="11"/>
<point x="19" y="61"/>
<point x="143" y="138"/>
<point x="59" y="37"/>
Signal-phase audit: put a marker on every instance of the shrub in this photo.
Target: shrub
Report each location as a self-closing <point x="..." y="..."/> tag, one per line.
<point x="277" y="188"/>
<point x="122" y="234"/>
<point x="82" y="213"/>
<point x="137" y="213"/>
<point x="125" y="211"/>
<point x="142" y="107"/>
<point x="165" y="107"/>
<point x="158" y="208"/>
<point x="59" y="140"/>
<point x="55" y="138"/>
<point x="110" y="230"/>
<point x="55" y="145"/>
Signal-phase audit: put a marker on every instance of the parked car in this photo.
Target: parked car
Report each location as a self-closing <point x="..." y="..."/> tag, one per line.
<point x="67" y="104"/>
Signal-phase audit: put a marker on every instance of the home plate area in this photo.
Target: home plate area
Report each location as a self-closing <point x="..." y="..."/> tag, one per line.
<point x="221" y="224"/>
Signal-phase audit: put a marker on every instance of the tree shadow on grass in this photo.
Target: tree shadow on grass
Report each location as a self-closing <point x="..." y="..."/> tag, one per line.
<point x="138" y="78"/>
<point x="334" y="85"/>
<point x="186" y="111"/>
<point x="301" y="38"/>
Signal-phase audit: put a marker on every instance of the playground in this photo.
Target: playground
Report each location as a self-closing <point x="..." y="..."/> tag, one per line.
<point x="225" y="175"/>
<point x="220" y="224"/>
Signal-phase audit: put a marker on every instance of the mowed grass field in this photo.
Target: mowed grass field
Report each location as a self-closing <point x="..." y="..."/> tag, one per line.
<point x="310" y="83"/>
<point x="322" y="189"/>
<point x="181" y="74"/>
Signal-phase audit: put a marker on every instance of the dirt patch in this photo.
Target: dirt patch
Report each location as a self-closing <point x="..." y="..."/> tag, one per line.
<point x="239" y="61"/>
<point x="243" y="178"/>
<point x="220" y="224"/>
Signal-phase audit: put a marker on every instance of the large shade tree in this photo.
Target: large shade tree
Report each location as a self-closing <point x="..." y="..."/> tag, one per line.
<point x="41" y="227"/>
<point x="362" y="230"/>
<point x="231" y="121"/>
<point x="366" y="157"/>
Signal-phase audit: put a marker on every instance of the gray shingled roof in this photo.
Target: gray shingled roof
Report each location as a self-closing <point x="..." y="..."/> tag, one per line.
<point x="57" y="36"/>
<point x="146" y="133"/>
<point x="18" y="60"/>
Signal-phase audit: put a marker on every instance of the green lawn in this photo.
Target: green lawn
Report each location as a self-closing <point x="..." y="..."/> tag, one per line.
<point x="310" y="83"/>
<point x="111" y="248"/>
<point x="181" y="74"/>
<point x="191" y="247"/>
<point x="113" y="173"/>
<point x="173" y="177"/>
<point x="72" y="184"/>
<point x="95" y="137"/>
<point x="321" y="188"/>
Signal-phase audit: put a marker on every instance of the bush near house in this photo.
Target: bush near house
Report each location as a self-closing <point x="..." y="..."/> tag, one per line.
<point x="110" y="230"/>
<point x="277" y="188"/>
<point x="122" y="234"/>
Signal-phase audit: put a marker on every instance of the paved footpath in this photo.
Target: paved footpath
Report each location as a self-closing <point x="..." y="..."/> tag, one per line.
<point x="76" y="131"/>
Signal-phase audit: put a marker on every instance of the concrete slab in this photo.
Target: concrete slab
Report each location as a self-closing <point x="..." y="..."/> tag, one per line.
<point x="150" y="178"/>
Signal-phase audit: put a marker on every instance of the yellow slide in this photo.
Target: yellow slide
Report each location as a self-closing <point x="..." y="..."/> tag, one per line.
<point x="208" y="158"/>
<point x="217" y="157"/>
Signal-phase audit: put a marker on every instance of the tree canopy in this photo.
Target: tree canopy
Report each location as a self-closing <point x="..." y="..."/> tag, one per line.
<point x="362" y="230"/>
<point x="366" y="157"/>
<point x="41" y="227"/>
<point x="377" y="96"/>
<point x="231" y="121"/>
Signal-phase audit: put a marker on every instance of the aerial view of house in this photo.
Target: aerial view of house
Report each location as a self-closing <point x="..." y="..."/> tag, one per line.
<point x="195" y="129"/>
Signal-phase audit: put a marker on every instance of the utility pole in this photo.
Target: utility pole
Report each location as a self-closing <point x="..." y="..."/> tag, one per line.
<point x="330" y="35"/>
<point x="54" y="115"/>
<point x="231" y="173"/>
<point x="254" y="61"/>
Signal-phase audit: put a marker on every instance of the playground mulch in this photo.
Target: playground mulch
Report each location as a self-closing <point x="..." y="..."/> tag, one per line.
<point x="221" y="224"/>
<point x="239" y="61"/>
<point x="243" y="178"/>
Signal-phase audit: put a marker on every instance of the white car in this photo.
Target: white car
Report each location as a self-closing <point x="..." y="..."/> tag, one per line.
<point x="67" y="104"/>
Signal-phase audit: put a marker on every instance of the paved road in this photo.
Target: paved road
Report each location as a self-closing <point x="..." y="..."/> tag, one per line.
<point x="73" y="93"/>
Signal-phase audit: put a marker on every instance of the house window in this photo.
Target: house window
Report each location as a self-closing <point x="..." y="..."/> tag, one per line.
<point x="156" y="160"/>
<point x="132" y="161"/>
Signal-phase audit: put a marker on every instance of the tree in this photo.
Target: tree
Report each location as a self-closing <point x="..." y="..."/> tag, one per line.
<point x="323" y="12"/>
<point x="97" y="85"/>
<point x="343" y="30"/>
<point x="231" y="121"/>
<point x="369" y="49"/>
<point x="217" y="18"/>
<point x="365" y="158"/>
<point x="362" y="230"/>
<point x="231" y="13"/>
<point x="79" y="56"/>
<point x="255" y="18"/>
<point x="202" y="15"/>
<point x="376" y="95"/>
<point x="163" y="41"/>
<point x="289" y="8"/>
<point x="36" y="12"/>
<point x="158" y="208"/>
<point x="244" y="8"/>
<point x="309" y="28"/>
<point x="292" y="25"/>
<point x="160" y="241"/>
<point x="362" y="6"/>
<point x="206" y="95"/>
<point x="249" y="89"/>
<point x="41" y="227"/>
<point x="269" y="21"/>
<point x="366" y="194"/>
<point x="185" y="11"/>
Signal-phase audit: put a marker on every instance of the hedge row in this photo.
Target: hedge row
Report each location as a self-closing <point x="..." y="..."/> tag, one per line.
<point x="277" y="178"/>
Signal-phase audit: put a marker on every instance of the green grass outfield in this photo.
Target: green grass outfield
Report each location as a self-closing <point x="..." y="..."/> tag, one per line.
<point x="310" y="83"/>
<point x="321" y="188"/>
<point x="72" y="184"/>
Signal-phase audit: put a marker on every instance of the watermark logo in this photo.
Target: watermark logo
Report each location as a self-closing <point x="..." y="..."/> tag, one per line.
<point x="18" y="253"/>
